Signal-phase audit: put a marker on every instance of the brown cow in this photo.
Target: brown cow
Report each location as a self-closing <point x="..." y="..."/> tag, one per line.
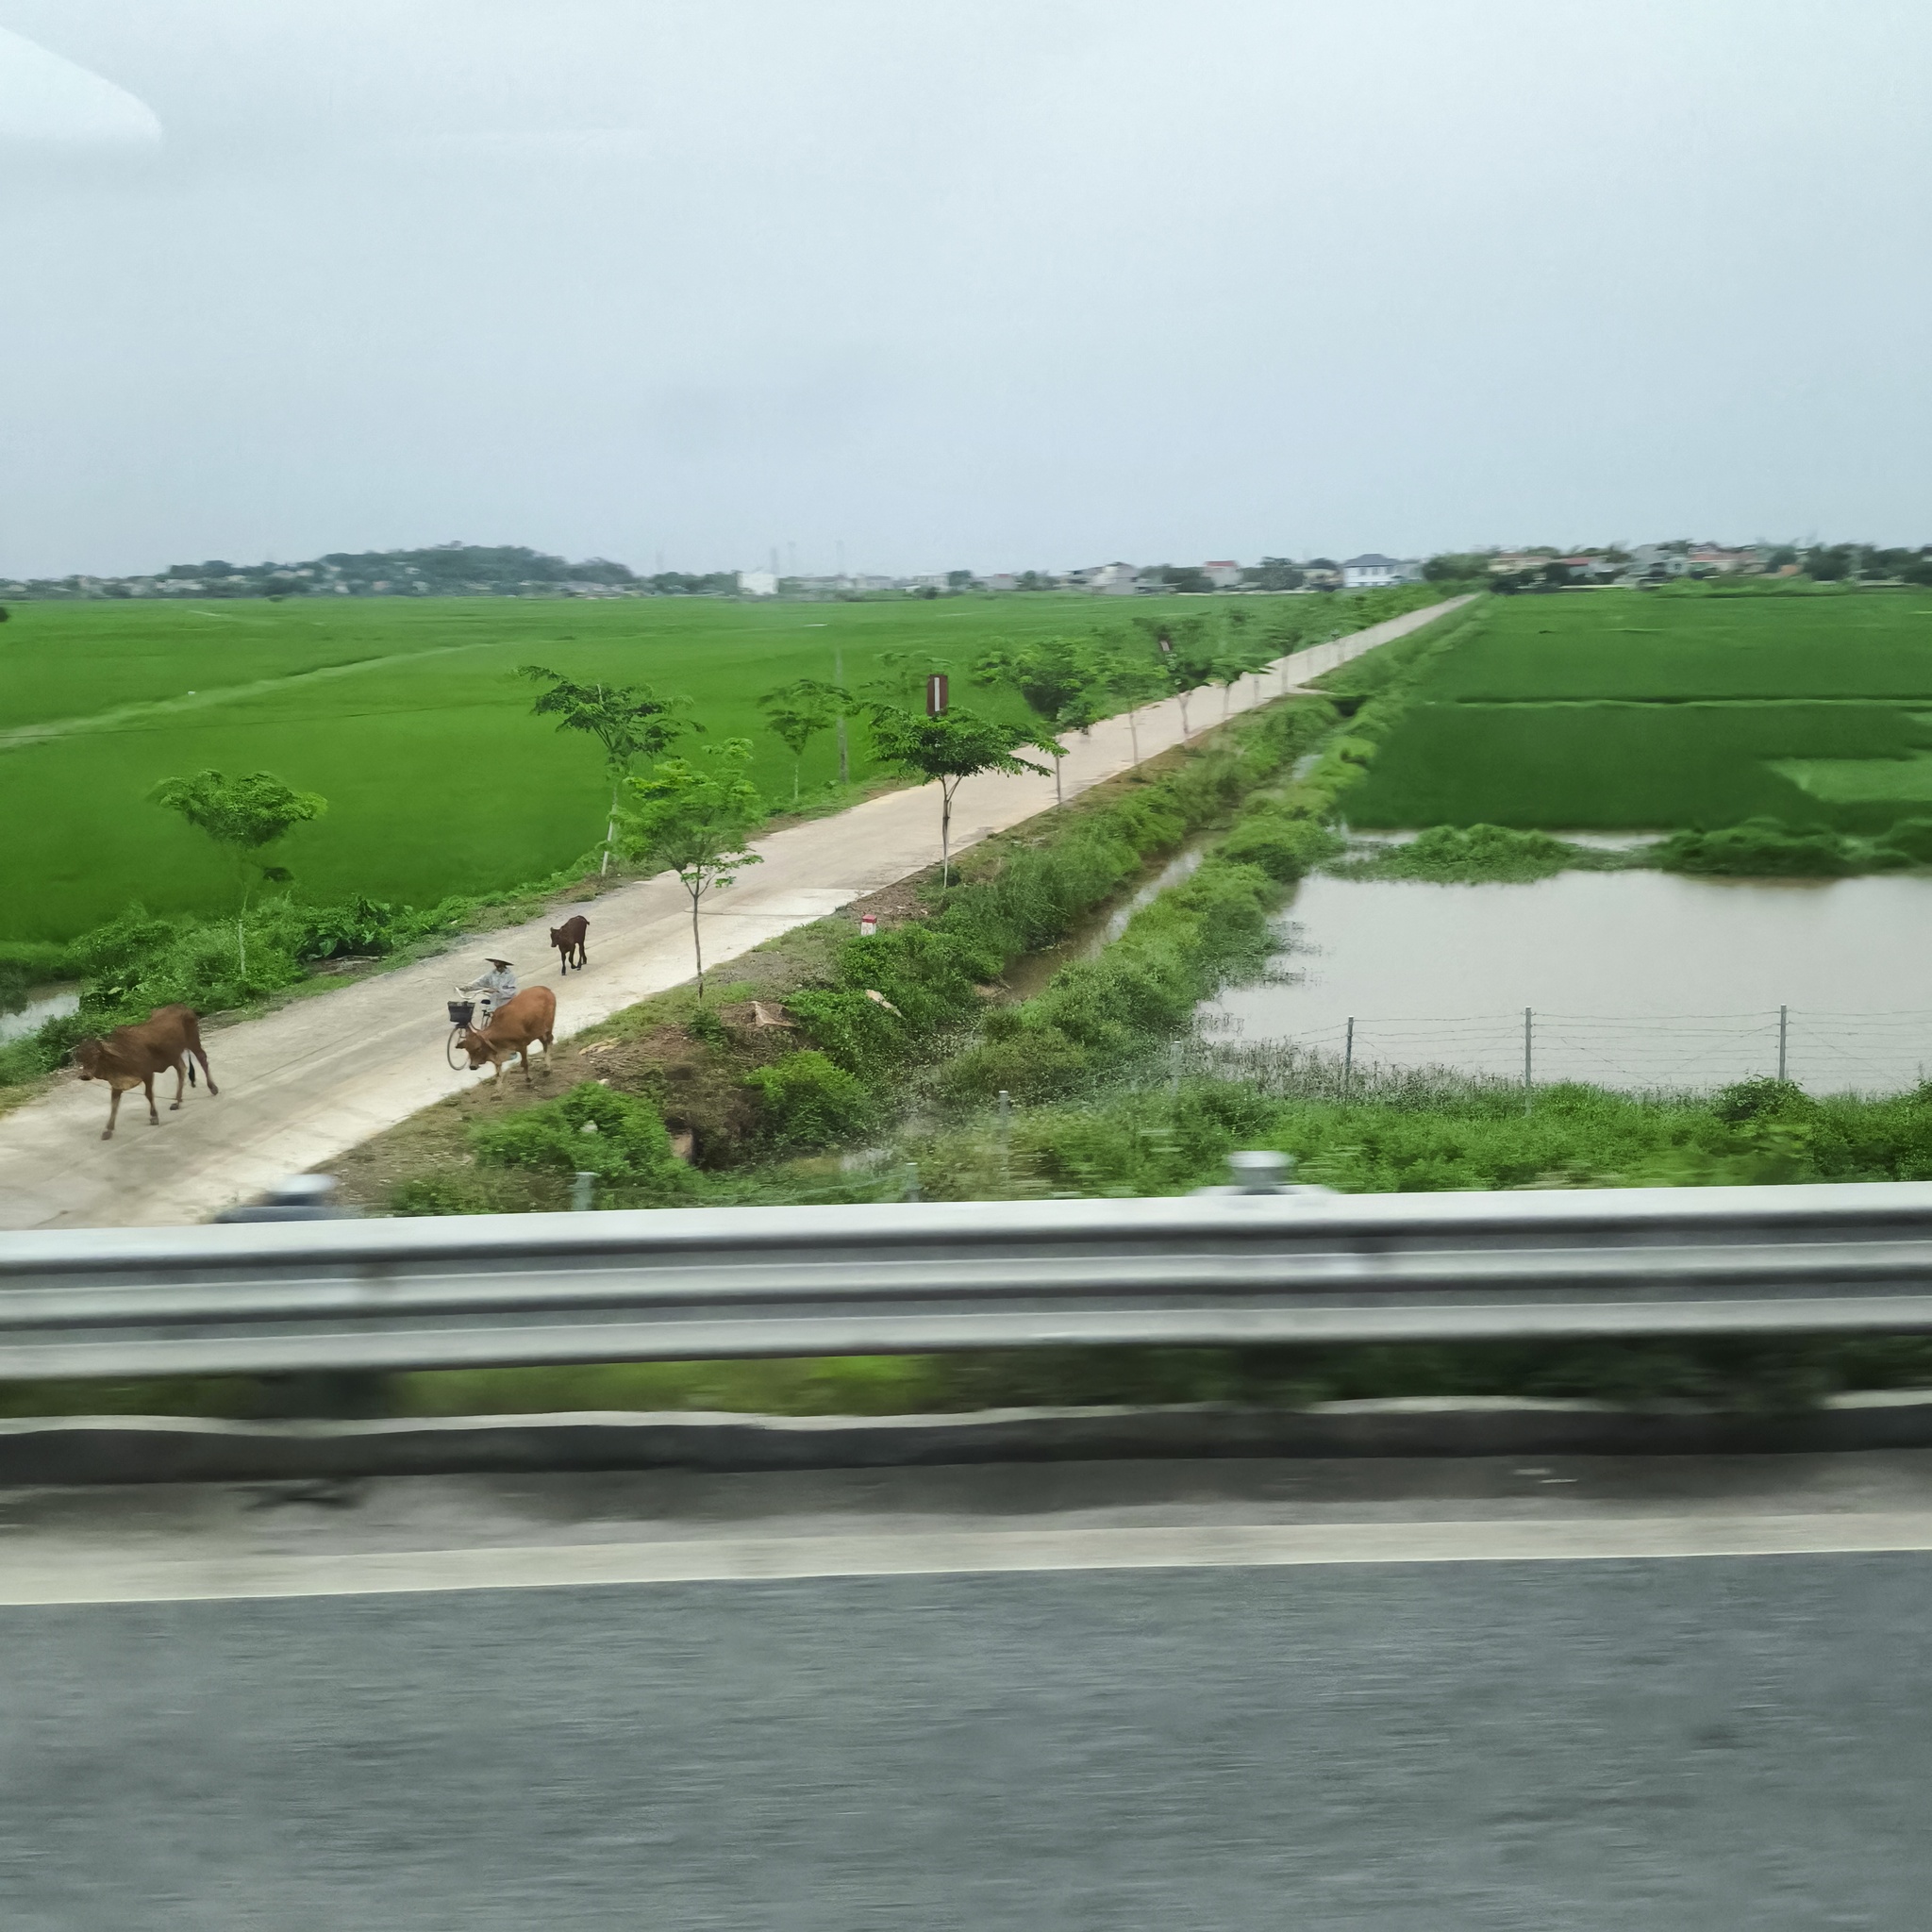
<point x="130" y="1057"/>
<point x="517" y="1025"/>
<point x="568" y="940"/>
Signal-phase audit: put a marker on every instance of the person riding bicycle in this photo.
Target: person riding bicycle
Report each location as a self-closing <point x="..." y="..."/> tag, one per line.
<point x="496" y="985"/>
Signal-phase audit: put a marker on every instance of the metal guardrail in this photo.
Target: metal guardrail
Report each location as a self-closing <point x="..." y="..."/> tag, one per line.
<point x="1295" y="1267"/>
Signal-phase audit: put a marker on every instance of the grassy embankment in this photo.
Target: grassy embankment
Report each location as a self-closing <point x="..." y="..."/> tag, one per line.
<point x="451" y="808"/>
<point x="1772" y="733"/>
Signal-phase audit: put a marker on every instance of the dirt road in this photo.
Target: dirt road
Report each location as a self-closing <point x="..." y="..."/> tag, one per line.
<point x="301" y="1084"/>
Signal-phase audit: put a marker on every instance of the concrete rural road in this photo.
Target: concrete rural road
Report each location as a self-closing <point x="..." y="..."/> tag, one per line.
<point x="1203" y="1696"/>
<point x="303" y="1084"/>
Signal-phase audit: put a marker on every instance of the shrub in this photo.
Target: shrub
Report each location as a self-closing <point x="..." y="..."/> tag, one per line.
<point x="1467" y="855"/>
<point x="1759" y="848"/>
<point x="1285" y="847"/>
<point x="588" y="1130"/>
<point x="857" y="1033"/>
<point x="441" y="1193"/>
<point x="808" y="1100"/>
<point x="1911" y="839"/>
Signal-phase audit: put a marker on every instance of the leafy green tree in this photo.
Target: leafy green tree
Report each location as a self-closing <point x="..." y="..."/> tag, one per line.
<point x="1060" y="680"/>
<point x="1456" y="566"/>
<point x="1241" y="655"/>
<point x="629" y="720"/>
<point x="693" y="818"/>
<point x="798" y="711"/>
<point x="1132" y="679"/>
<point x="1183" y="656"/>
<point x="948" y="751"/>
<point x="1275" y="574"/>
<point x="904" y="672"/>
<point x="243" y="816"/>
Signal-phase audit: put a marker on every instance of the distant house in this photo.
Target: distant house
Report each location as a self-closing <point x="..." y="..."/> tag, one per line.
<point x="1113" y="580"/>
<point x="1223" y="575"/>
<point x="758" y="583"/>
<point x="1002" y="581"/>
<point x="1372" y="571"/>
<point x="1718" y="559"/>
<point x="1651" y="563"/>
<point x="1590" y="568"/>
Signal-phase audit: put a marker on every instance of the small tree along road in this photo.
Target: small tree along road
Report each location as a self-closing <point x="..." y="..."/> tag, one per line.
<point x="952" y="749"/>
<point x="241" y="815"/>
<point x="1132" y="679"/>
<point x="1060" y="680"/>
<point x="1183" y="656"/>
<point x="798" y="711"/>
<point x="692" y="818"/>
<point x="629" y="720"/>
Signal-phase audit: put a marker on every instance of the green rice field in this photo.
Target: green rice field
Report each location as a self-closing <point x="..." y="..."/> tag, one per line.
<point x="408" y="716"/>
<point x="1636" y="710"/>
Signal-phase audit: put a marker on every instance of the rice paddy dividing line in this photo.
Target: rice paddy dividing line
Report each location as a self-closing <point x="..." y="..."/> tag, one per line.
<point x="119" y="717"/>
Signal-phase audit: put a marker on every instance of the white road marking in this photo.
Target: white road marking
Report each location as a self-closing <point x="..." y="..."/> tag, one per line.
<point x="770" y="1560"/>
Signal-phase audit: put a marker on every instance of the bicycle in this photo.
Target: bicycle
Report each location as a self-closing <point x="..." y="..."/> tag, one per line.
<point x="461" y="1015"/>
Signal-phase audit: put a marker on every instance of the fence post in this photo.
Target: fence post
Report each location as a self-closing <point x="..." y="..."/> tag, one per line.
<point x="1348" y="1058"/>
<point x="1784" y="1020"/>
<point x="1528" y="1089"/>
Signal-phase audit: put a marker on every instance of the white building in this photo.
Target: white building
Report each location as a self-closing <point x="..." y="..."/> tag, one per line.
<point x="758" y="583"/>
<point x="1223" y="575"/>
<point x="1655" y="563"/>
<point x="1372" y="571"/>
<point x="1113" y="580"/>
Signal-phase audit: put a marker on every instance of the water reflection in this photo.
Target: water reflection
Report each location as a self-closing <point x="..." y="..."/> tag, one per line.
<point x="28" y="1019"/>
<point x="1633" y="979"/>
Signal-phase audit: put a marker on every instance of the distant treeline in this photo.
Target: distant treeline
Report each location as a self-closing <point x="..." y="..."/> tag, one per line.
<point x="444" y="570"/>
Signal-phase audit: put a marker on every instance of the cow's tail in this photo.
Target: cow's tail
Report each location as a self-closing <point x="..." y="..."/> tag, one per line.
<point x="191" y="1080"/>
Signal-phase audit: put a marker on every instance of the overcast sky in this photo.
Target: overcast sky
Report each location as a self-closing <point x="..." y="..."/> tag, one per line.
<point x="993" y="283"/>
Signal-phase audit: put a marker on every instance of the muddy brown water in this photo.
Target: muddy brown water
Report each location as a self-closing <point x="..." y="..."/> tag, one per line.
<point x="1633" y="979"/>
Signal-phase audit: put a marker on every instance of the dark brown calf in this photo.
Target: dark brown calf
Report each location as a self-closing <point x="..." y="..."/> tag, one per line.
<point x="130" y="1057"/>
<point x="517" y="1025"/>
<point x="568" y="940"/>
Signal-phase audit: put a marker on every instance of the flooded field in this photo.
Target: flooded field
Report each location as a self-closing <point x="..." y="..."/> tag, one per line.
<point x="1630" y="979"/>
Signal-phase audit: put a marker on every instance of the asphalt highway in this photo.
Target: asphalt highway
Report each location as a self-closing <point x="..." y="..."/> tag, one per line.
<point x="1553" y="1740"/>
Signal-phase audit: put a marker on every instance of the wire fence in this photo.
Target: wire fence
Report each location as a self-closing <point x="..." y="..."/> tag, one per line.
<point x="1822" y="1051"/>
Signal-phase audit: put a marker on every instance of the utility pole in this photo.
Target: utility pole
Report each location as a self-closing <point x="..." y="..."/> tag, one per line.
<point x="839" y="678"/>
